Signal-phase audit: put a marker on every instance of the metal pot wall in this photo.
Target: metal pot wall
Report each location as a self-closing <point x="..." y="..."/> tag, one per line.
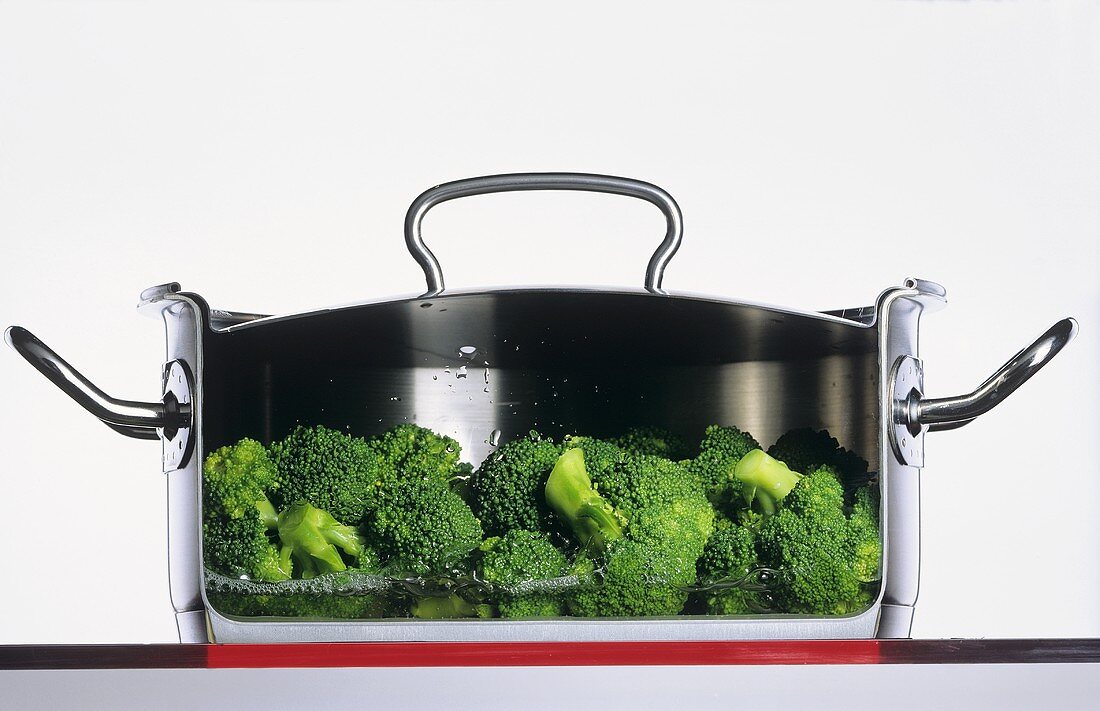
<point x="484" y="366"/>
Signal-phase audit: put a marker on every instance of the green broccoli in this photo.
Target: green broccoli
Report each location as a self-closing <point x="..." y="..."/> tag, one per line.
<point x="313" y="540"/>
<point x="600" y="455"/>
<point x="415" y="452"/>
<point x="719" y="452"/>
<point x="653" y="441"/>
<point x="863" y="533"/>
<point x="423" y="527"/>
<point x="515" y="565"/>
<point x="805" y="449"/>
<point x="809" y="543"/>
<point x="238" y="517"/>
<point x="649" y="571"/>
<point x="763" y="480"/>
<point x="330" y="470"/>
<point x="571" y="496"/>
<point x="639" y="481"/>
<point x="729" y="557"/>
<point x="319" y="605"/>
<point x="448" y="607"/>
<point x="508" y="486"/>
<point x="242" y="547"/>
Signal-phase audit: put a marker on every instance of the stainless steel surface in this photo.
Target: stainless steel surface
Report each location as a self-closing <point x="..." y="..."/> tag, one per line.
<point x="513" y="182"/>
<point x="128" y="417"/>
<point x="184" y="325"/>
<point x="898" y="313"/>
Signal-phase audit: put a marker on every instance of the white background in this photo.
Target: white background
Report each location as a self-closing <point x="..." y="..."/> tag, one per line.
<point x="263" y="154"/>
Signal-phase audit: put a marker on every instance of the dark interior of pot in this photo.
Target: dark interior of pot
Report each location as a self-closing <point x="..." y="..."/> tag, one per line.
<point x="487" y="367"/>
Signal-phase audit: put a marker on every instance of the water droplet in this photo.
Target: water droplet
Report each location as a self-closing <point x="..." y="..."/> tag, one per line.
<point x="467" y="352"/>
<point x="517" y="348"/>
<point x="485" y="390"/>
<point x="435" y="377"/>
<point x="494" y="438"/>
<point x="395" y="399"/>
<point x="461" y="372"/>
<point x="426" y="305"/>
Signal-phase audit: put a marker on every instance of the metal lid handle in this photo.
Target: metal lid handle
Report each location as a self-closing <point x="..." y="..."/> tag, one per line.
<point x="513" y="182"/>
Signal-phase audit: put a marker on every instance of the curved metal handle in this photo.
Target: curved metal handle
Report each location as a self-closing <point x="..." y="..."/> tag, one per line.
<point x="513" y="182"/>
<point x="131" y="418"/>
<point x="946" y="413"/>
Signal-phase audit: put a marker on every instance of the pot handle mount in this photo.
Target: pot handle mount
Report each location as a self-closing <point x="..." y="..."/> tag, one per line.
<point x="914" y="414"/>
<point x="514" y="182"/>
<point x="170" y="419"/>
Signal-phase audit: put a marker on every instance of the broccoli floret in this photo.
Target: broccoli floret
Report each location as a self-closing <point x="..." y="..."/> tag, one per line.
<point x="600" y="455"/>
<point x="508" y="486"/>
<point x="242" y="547"/>
<point x="637" y="578"/>
<point x="639" y="481"/>
<point x="764" y="480"/>
<point x="863" y="533"/>
<point x="515" y="565"/>
<point x="809" y="542"/>
<point x="653" y="441"/>
<point x="238" y="518"/>
<point x="415" y="452"/>
<point x="423" y="527"/>
<point x="650" y="570"/>
<point x="729" y="556"/>
<point x="805" y="449"/>
<point x="313" y="540"/>
<point x="570" y="494"/>
<point x="330" y="470"/>
<point x="719" y="452"/>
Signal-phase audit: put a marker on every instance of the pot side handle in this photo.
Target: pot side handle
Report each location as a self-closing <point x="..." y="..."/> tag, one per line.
<point x="513" y="182"/>
<point x="915" y="412"/>
<point x="141" y="420"/>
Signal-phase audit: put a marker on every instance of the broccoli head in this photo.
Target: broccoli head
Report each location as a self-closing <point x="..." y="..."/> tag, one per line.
<point x="423" y="527"/>
<point x="719" y="452"/>
<point x="635" y="578"/>
<point x="653" y="441"/>
<point x="333" y="471"/>
<point x="639" y="481"/>
<point x="415" y="452"/>
<point x="515" y="565"/>
<point x="805" y="449"/>
<point x="238" y="518"/>
<point x="809" y="542"/>
<point x="242" y="547"/>
<point x="729" y="557"/>
<point x="508" y="486"/>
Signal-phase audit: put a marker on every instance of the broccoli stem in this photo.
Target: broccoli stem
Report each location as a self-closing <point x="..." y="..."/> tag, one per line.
<point x="570" y="493"/>
<point x="764" y="479"/>
<point x="443" y="608"/>
<point x="267" y="513"/>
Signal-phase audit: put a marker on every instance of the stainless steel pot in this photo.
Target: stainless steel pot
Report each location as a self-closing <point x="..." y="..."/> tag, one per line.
<point x="489" y="365"/>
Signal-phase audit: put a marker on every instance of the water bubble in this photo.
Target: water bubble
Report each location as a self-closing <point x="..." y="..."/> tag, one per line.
<point x="467" y="352"/>
<point x="517" y="348"/>
<point x="461" y="372"/>
<point x="494" y="438"/>
<point x="426" y="305"/>
<point x="395" y="399"/>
